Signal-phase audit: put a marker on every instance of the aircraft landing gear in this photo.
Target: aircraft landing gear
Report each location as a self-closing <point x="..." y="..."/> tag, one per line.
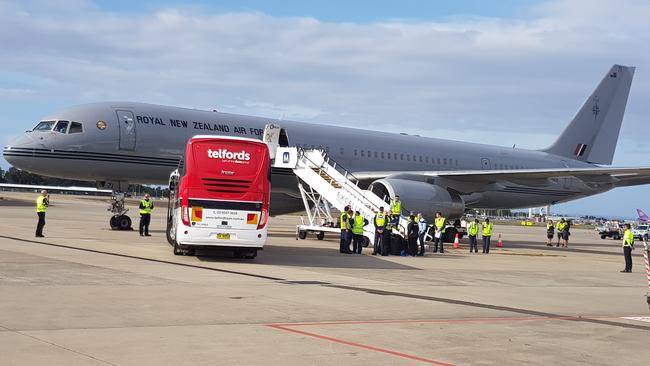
<point x="119" y="220"/>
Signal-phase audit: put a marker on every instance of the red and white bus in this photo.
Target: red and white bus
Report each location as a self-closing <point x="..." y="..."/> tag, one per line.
<point x="219" y="197"/>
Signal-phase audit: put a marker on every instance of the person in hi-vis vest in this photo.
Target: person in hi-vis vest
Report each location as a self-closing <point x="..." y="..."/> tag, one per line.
<point x="487" y="235"/>
<point x="42" y="202"/>
<point x="146" y="205"/>
<point x="358" y="222"/>
<point x="380" y="226"/>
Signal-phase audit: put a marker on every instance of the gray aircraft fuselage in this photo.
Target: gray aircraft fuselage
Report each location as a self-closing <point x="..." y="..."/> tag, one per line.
<point x="147" y="148"/>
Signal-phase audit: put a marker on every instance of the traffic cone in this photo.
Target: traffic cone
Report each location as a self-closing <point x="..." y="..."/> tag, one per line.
<point x="500" y="242"/>
<point x="456" y="242"/>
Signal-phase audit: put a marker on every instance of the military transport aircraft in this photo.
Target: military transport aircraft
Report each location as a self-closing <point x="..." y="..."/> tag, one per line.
<point x="119" y="143"/>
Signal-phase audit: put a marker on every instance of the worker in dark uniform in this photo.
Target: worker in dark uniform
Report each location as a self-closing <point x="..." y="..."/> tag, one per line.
<point x="628" y="246"/>
<point x="358" y="223"/>
<point x="422" y="231"/>
<point x="344" y="221"/>
<point x="412" y="235"/>
<point x="380" y="226"/>
<point x="146" y="205"/>
<point x="42" y="202"/>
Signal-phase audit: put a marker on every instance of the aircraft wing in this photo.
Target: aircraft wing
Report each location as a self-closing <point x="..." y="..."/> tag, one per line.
<point x="616" y="177"/>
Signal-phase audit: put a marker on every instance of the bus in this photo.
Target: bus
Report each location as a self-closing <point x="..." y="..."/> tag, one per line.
<point x="219" y="197"/>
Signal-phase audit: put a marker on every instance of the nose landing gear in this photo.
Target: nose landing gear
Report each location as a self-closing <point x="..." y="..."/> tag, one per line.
<point x="119" y="220"/>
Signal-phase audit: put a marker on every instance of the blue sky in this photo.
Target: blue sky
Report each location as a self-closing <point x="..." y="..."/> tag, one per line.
<point x="501" y="72"/>
<point x="343" y="11"/>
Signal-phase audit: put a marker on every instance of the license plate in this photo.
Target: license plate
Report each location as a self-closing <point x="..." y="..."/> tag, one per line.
<point x="223" y="236"/>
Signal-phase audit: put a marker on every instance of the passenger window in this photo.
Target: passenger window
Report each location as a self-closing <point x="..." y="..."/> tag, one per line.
<point x="61" y="126"/>
<point x="420" y="158"/>
<point x="401" y="156"/>
<point x="363" y="153"/>
<point x="388" y="154"/>
<point x="456" y="162"/>
<point x="438" y="161"/>
<point x="76" y="127"/>
<point x="341" y="151"/>
<point x="375" y="155"/>
<point x="355" y="152"/>
<point x="408" y="157"/>
<point x="444" y="161"/>
<point x="369" y="154"/>
<point x="427" y="160"/>
<point x="382" y="154"/>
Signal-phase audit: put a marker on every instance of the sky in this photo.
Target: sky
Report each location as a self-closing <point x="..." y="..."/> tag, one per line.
<point x="502" y="72"/>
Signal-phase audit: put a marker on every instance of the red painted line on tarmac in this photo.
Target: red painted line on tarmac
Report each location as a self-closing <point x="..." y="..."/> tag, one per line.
<point x="359" y="345"/>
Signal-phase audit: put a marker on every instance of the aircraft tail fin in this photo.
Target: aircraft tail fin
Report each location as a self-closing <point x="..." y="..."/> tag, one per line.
<point x="592" y="134"/>
<point x="642" y="215"/>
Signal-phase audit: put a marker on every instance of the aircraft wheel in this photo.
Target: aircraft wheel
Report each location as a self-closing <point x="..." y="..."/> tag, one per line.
<point x="123" y="222"/>
<point x="302" y="234"/>
<point x="320" y="235"/>
<point x="113" y="223"/>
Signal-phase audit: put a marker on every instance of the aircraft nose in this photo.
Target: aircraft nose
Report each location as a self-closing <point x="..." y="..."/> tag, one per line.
<point x="20" y="152"/>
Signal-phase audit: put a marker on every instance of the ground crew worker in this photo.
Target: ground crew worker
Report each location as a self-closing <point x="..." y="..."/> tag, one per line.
<point x="473" y="233"/>
<point x="628" y="246"/>
<point x="344" y="220"/>
<point x="358" y="223"/>
<point x="380" y="226"/>
<point x="387" y="237"/>
<point x="42" y="202"/>
<point x="439" y="226"/>
<point x="487" y="235"/>
<point x="412" y="236"/>
<point x="395" y="209"/>
<point x="146" y="205"/>
<point x="422" y="231"/>
<point x="558" y="230"/>
<point x="550" y="233"/>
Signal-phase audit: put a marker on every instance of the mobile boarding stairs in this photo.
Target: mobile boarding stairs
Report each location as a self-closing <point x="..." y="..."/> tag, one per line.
<point x="325" y="185"/>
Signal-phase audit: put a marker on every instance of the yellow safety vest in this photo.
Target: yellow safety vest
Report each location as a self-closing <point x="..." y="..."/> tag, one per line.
<point x="41" y="205"/>
<point x="473" y="229"/>
<point x="487" y="229"/>
<point x="345" y="223"/>
<point x="357" y="228"/>
<point x="148" y="206"/>
<point x="628" y="238"/>
<point x="396" y="207"/>
<point x="560" y="226"/>
<point x="440" y="223"/>
<point x="380" y="219"/>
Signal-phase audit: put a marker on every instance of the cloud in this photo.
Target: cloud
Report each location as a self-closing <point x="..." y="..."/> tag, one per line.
<point x="508" y="81"/>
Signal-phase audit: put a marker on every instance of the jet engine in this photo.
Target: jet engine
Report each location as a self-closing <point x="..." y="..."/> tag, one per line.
<point x="420" y="197"/>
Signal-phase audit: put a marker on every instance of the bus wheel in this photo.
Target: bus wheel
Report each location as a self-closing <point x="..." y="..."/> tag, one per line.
<point x="302" y="234"/>
<point x="250" y="255"/>
<point x="366" y="242"/>
<point x="177" y="249"/>
<point x="320" y="235"/>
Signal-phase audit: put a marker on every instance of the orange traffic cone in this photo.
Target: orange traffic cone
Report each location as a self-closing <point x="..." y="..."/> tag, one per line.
<point x="456" y="242"/>
<point x="500" y="242"/>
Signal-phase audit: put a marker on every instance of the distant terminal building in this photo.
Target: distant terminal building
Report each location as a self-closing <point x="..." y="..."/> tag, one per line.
<point x="82" y="191"/>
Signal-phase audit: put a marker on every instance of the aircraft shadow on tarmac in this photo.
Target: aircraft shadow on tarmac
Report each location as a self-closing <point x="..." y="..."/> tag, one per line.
<point x="314" y="257"/>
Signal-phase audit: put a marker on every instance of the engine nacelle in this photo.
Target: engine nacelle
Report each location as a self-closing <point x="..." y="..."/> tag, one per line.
<point x="421" y="197"/>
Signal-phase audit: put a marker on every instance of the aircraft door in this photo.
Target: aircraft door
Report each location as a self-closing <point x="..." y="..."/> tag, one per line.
<point x="126" y="122"/>
<point x="485" y="164"/>
<point x="275" y="137"/>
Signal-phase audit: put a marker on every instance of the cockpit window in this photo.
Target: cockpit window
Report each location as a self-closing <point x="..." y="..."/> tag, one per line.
<point x="44" y="126"/>
<point x="61" y="126"/>
<point x="76" y="127"/>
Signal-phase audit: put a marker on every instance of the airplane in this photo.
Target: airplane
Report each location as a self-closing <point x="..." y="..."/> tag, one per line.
<point x="120" y="143"/>
<point x="642" y="216"/>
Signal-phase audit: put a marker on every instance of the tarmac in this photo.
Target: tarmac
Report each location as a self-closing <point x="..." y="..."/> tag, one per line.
<point x="86" y="295"/>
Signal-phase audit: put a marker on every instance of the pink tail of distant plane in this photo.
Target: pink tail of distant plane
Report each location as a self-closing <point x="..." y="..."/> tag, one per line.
<point x="642" y="215"/>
